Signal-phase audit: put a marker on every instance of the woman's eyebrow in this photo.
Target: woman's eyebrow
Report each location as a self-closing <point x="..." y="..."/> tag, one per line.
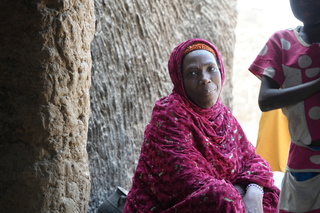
<point x="211" y="63"/>
<point x="205" y="64"/>
<point x="195" y="66"/>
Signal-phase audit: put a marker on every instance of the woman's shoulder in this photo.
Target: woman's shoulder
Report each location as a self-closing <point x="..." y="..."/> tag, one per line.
<point x="171" y="103"/>
<point x="166" y="108"/>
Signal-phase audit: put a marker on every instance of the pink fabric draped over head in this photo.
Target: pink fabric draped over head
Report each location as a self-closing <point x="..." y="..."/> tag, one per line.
<point x="191" y="157"/>
<point x="175" y="62"/>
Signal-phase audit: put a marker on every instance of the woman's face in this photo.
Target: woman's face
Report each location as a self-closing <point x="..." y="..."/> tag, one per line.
<point x="307" y="11"/>
<point x="201" y="77"/>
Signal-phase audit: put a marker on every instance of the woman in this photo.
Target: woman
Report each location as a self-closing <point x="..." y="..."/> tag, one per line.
<point x="195" y="156"/>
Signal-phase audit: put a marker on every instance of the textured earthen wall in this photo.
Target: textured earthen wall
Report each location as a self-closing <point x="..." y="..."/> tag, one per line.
<point x="131" y="47"/>
<point x="45" y="66"/>
<point x="44" y="82"/>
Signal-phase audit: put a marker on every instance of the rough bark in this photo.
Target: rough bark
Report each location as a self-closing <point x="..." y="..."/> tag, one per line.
<point x="45" y="66"/>
<point x="132" y="43"/>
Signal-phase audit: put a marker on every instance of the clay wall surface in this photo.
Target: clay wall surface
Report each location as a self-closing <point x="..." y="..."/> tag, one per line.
<point x="45" y="76"/>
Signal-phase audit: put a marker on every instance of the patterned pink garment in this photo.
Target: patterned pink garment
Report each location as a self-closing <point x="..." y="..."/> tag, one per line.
<point x="191" y="157"/>
<point x="290" y="61"/>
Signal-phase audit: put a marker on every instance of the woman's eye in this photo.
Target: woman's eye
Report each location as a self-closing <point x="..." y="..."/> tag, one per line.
<point x="213" y="69"/>
<point x="191" y="73"/>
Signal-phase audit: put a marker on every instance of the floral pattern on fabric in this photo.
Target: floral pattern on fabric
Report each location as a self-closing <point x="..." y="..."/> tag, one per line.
<point x="192" y="157"/>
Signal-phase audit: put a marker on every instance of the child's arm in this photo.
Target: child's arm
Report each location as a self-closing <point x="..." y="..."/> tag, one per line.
<point x="272" y="97"/>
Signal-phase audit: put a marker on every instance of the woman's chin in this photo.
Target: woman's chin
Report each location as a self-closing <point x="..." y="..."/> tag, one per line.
<point x="206" y="105"/>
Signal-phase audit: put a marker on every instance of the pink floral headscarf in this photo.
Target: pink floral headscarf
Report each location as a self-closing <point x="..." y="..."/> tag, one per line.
<point x="175" y="63"/>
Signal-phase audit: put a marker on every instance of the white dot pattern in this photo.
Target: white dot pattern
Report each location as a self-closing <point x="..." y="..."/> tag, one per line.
<point x="286" y="45"/>
<point x="291" y="62"/>
<point x="264" y="50"/>
<point x="315" y="159"/>
<point x="305" y="61"/>
<point x="312" y="72"/>
<point x="269" y="71"/>
<point x="314" y="113"/>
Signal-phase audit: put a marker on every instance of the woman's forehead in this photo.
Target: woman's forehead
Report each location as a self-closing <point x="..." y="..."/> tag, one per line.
<point x="199" y="56"/>
<point x="200" y="53"/>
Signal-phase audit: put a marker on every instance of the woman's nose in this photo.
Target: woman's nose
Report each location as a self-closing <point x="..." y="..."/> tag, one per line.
<point x="205" y="78"/>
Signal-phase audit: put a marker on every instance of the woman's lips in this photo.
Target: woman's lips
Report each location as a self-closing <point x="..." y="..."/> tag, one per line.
<point x="207" y="92"/>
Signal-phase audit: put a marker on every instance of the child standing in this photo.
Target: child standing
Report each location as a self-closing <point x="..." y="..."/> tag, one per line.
<point x="289" y="69"/>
